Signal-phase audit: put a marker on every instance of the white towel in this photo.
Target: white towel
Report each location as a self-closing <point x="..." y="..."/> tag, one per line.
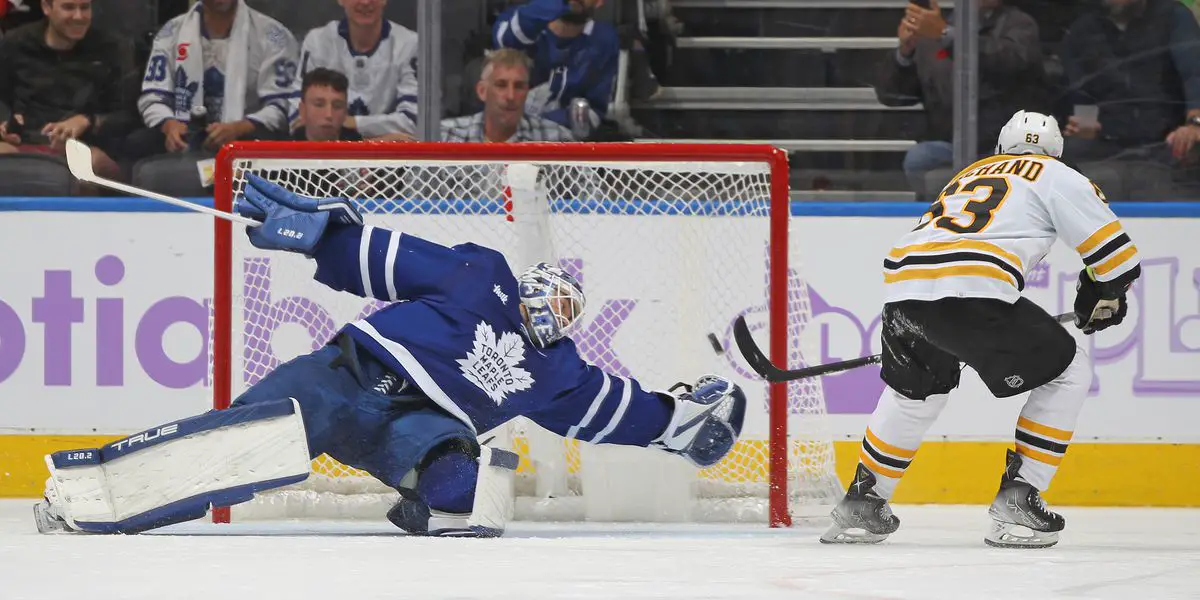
<point x="189" y="90"/>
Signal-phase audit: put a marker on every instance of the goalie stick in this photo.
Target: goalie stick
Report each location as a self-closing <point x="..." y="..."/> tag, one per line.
<point x="764" y="367"/>
<point x="79" y="161"/>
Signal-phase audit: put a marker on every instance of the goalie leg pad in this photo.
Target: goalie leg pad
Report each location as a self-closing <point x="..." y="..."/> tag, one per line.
<point x="493" y="505"/>
<point x="490" y="496"/>
<point x="447" y="482"/>
<point x="440" y="502"/>
<point x="175" y="472"/>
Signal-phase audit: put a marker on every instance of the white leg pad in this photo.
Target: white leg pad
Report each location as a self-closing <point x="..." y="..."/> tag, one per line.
<point x="493" y="505"/>
<point x="175" y="472"/>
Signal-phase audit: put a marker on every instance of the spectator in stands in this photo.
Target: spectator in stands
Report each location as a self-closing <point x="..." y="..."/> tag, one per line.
<point x="235" y="62"/>
<point x="62" y="79"/>
<point x="323" y="108"/>
<point x="503" y="88"/>
<point x="15" y="13"/>
<point x="1138" y="61"/>
<point x="1011" y="78"/>
<point x="573" y="55"/>
<point x="380" y="58"/>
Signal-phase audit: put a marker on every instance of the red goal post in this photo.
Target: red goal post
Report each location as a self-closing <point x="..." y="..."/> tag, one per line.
<point x="238" y="157"/>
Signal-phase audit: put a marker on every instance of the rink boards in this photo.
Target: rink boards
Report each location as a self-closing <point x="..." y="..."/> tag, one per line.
<point x="129" y="278"/>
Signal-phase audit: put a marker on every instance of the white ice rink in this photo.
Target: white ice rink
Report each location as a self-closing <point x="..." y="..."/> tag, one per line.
<point x="1140" y="554"/>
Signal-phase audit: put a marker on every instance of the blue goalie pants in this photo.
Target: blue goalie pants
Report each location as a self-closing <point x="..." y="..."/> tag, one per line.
<point x="358" y="412"/>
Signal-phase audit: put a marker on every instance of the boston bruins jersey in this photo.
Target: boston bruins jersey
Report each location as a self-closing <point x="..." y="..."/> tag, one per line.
<point x="995" y="221"/>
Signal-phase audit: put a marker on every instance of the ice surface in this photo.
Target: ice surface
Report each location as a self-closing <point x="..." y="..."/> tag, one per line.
<point x="1144" y="554"/>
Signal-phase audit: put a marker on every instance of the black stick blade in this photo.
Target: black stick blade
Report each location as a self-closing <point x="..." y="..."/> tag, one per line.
<point x="751" y="352"/>
<point x="765" y="368"/>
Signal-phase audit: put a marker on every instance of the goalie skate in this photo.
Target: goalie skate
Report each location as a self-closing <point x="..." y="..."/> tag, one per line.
<point x="45" y="514"/>
<point x="47" y="521"/>
<point x="862" y="517"/>
<point x="1020" y="518"/>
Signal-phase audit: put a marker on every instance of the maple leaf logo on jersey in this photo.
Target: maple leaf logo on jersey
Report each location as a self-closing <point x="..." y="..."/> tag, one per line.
<point x="494" y="365"/>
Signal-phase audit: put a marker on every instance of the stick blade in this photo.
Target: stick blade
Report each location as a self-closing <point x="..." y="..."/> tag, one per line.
<point x="750" y="351"/>
<point x="79" y="160"/>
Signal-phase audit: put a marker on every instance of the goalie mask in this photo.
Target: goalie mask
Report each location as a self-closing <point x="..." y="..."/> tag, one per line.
<point x="552" y="300"/>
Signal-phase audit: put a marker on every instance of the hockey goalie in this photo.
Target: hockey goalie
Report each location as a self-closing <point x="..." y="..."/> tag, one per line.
<point x="403" y="394"/>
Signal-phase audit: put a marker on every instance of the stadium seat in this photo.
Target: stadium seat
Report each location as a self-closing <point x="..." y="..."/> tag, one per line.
<point x="35" y="175"/>
<point x="1111" y="179"/>
<point x="1146" y="181"/>
<point x="128" y="19"/>
<point x="937" y="179"/>
<point x="850" y="180"/>
<point x="171" y="174"/>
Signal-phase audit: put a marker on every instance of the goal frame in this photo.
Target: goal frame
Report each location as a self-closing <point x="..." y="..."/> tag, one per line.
<point x="780" y="212"/>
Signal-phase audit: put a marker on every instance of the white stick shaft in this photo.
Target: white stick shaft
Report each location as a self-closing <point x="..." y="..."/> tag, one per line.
<point x="129" y="189"/>
<point x="79" y="161"/>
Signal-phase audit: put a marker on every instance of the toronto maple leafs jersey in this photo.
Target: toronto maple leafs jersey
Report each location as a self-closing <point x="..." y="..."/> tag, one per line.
<point x="563" y="68"/>
<point x="455" y="331"/>
<point x="383" y="82"/>
<point x="995" y="221"/>
<point x="269" y="59"/>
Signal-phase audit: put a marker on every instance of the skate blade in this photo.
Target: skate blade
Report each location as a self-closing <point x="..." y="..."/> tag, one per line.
<point x="837" y="534"/>
<point x="1011" y="535"/>
<point x="47" y="524"/>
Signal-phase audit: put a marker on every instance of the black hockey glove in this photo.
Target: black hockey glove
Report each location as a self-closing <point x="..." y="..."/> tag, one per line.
<point x="1098" y="305"/>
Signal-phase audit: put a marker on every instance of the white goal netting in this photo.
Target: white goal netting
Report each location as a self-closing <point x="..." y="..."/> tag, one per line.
<point x="667" y="251"/>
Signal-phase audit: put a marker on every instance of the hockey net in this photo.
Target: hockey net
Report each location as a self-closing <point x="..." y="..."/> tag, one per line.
<point x="670" y="242"/>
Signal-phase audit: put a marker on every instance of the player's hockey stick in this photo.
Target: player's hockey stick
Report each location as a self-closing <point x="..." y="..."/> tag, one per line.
<point x="79" y="160"/>
<point x="764" y="367"/>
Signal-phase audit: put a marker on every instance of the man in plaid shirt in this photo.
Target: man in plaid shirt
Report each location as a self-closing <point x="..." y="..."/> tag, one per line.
<point x="503" y="87"/>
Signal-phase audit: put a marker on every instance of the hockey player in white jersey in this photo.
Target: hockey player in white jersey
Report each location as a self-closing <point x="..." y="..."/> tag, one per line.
<point x="379" y="57"/>
<point x="463" y="347"/>
<point x="953" y="295"/>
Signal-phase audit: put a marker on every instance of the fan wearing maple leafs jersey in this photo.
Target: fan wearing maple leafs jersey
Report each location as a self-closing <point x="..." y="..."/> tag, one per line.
<point x="378" y="58"/>
<point x="403" y="394"/>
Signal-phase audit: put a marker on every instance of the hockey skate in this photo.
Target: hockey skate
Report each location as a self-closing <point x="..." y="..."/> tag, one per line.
<point x="46" y="515"/>
<point x="862" y="517"/>
<point x="47" y="521"/>
<point x="1020" y="518"/>
<point x="414" y="517"/>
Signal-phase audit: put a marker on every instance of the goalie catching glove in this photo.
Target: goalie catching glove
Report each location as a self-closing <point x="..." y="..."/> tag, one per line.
<point x="290" y="221"/>
<point x="707" y="420"/>
<point x="1100" y="304"/>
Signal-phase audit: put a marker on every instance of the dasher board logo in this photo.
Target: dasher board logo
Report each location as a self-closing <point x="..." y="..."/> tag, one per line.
<point x="493" y="365"/>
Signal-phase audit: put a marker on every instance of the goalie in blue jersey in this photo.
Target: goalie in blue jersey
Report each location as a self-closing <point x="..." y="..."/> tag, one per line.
<point x="402" y="394"/>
